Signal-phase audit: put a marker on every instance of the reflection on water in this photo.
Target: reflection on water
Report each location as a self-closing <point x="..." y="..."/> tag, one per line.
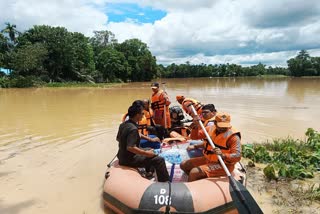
<point x="299" y="88"/>
<point x="260" y="108"/>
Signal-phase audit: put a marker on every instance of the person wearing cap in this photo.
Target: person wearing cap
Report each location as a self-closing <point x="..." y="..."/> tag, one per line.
<point x="160" y="105"/>
<point x="227" y="142"/>
<point x="185" y="103"/>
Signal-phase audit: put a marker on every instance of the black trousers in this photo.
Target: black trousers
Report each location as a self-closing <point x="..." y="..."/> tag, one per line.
<point x="156" y="162"/>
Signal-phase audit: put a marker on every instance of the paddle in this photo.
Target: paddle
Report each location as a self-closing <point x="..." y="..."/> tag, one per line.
<point x="242" y="199"/>
<point x="165" y="106"/>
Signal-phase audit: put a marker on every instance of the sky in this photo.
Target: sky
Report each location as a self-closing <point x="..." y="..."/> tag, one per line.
<point x="176" y="31"/>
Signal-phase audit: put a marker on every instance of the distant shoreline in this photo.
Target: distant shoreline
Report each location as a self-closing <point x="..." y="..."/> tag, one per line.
<point x="73" y="84"/>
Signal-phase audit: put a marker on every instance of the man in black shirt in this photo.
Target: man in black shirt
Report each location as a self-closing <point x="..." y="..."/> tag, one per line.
<point x="129" y="153"/>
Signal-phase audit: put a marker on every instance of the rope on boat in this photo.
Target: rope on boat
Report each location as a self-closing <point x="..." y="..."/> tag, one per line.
<point x="169" y="200"/>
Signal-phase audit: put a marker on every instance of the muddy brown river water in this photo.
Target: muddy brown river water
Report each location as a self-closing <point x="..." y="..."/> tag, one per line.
<point x="55" y="143"/>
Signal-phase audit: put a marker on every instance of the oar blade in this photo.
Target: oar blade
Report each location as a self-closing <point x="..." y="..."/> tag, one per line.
<point x="245" y="203"/>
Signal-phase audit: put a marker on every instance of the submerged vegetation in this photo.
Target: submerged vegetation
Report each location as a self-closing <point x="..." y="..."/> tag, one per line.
<point x="45" y="54"/>
<point x="290" y="175"/>
<point x="288" y="158"/>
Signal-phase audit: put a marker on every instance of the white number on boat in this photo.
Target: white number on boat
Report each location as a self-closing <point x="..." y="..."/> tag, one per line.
<point x="162" y="199"/>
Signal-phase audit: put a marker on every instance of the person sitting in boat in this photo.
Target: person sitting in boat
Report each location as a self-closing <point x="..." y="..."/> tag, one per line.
<point x="178" y="121"/>
<point x="185" y="103"/>
<point x="151" y="141"/>
<point x="129" y="153"/>
<point x="125" y="117"/>
<point x="228" y="144"/>
<point x="208" y="116"/>
<point x="151" y="133"/>
<point x="160" y="105"/>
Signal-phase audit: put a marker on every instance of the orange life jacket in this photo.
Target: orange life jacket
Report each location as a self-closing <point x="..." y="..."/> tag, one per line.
<point x="158" y="101"/>
<point x="219" y="141"/>
<point x="196" y="104"/>
<point x="149" y="116"/>
<point x="205" y="123"/>
<point x="145" y="122"/>
<point x="142" y="125"/>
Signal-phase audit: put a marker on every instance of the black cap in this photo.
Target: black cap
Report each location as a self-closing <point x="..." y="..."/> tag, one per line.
<point x="155" y="85"/>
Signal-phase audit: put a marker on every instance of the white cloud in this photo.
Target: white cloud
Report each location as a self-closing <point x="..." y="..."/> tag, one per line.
<point x="206" y="31"/>
<point x="278" y="58"/>
<point x="226" y="31"/>
<point x="75" y="15"/>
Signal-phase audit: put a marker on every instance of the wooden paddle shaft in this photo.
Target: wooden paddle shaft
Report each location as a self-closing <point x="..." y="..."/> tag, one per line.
<point x="165" y="107"/>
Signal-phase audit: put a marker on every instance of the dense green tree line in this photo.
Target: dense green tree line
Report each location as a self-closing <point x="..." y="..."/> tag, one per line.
<point x="53" y="54"/>
<point x="301" y="65"/>
<point x="304" y="65"/>
<point x="221" y="70"/>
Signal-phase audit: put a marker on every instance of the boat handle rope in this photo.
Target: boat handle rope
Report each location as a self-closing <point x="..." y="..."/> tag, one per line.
<point x="169" y="200"/>
<point x="172" y="172"/>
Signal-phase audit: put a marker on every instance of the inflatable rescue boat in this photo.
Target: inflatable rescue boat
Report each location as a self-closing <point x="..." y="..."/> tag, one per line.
<point x="126" y="191"/>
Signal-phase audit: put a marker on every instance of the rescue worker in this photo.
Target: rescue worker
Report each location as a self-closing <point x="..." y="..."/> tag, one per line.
<point x="147" y="129"/>
<point x="160" y="105"/>
<point x="185" y="102"/>
<point x="147" y="119"/>
<point x="208" y="113"/>
<point x="228" y="145"/>
<point x="178" y="121"/>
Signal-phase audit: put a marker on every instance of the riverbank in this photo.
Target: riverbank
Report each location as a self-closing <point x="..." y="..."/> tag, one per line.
<point x="282" y="196"/>
<point x="286" y="172"/>
<point x="81" y="85"/>
<point x="33" y="82"/>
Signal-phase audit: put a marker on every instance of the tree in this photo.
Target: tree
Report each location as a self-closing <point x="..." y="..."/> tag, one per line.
<point x="8" y="44"/>
<point x="11" y="31"/>
<point x="316" y="65"/>
<point x="233" y="70"/>
<point x="28" y="60"/>
<point x="113" y="65"/>
<point x="300" y="65"/>
<point x="141" y="62"/>
<point x="259" y="69"/>
<point x="82" y="64"/>
<point x="70" y="56"/>
<point x="3" y="49"/>
<point x="101" y="40"/>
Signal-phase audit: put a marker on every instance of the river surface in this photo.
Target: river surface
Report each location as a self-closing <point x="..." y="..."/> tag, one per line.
<point x="55" y="143"/>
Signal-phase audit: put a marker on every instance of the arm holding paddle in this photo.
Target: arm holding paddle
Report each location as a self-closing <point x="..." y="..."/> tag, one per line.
<point x="242" y="199"/>
<point x="166" y="104"/>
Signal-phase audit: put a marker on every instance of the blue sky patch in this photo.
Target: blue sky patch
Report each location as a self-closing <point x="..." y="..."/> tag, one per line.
<point x="120" y="12"/>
